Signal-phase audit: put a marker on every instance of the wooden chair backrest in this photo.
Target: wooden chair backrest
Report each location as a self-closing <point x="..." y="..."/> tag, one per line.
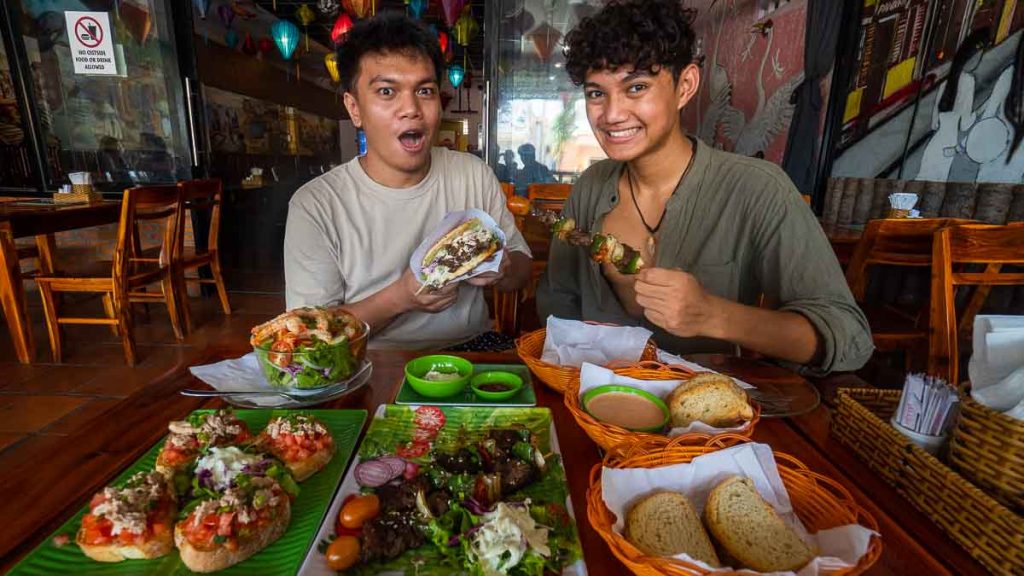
<point x="553" y="192"/>
<point x="901" y="242"/>
<point x="202" y="195"/>
<point x="509" y="189"/>
<point x="991" y="246"/>
<point x="146" y="203"/>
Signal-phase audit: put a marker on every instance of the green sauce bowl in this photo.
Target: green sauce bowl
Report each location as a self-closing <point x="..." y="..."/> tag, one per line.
<point x="511" y="381"/>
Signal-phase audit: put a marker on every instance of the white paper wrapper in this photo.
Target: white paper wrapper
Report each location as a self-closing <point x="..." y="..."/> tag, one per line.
<point x="242" y="375"/>
<point x="592" y="376"/>
<point x="998" y="349"/>
<point x="571" y="343"/>
<point x="621" y="488"/>
<point x="669" y="358"/>
<point x="450" y="221"/>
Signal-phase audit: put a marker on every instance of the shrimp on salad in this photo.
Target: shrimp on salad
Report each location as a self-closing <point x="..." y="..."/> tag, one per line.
<point x="301" y="338"/>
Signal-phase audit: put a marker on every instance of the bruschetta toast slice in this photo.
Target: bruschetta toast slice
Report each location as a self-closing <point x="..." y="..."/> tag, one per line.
<point x="302" y="442"/>
<point x="221" y="532"/>
<point x="134" y="521"/>
<point x="188" y="438"/>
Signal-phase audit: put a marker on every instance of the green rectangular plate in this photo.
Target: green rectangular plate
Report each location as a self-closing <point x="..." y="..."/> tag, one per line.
<point x="526" y="397"/>
<point x="282" y="557"/>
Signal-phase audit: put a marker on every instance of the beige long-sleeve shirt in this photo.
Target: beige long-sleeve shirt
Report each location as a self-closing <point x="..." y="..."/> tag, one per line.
<point x="740" y="226"/>
<point x="348" y="237"/>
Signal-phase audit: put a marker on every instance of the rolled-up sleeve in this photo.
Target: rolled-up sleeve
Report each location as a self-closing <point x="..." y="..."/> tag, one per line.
<point x="311" y="272"/>
<point x="800" y="273"/>
<point x="558" y="292"/>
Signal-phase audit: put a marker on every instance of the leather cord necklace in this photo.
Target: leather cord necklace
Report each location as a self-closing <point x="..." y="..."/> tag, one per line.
<point x="653" y="231"/>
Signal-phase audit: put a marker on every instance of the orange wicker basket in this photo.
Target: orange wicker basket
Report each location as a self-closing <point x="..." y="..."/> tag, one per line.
<point x="817" y="500"/>
<point x="611" y="437"/>
<point x="530" y="346"/>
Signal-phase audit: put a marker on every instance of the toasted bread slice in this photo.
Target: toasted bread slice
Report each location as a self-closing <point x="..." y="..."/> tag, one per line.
<point x="284" y="433"/>
<point x="303" y="469"/>
<point x="665" y="524"/>
<point x="153" y="548"/>
<point x="749" y="529"/>
<point x="710" y="398"/>
<point x="220" y="557"/>
<point x="145" y="494"/>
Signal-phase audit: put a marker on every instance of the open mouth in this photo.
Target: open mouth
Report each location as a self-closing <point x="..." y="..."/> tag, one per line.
<point x="412" y="140"/>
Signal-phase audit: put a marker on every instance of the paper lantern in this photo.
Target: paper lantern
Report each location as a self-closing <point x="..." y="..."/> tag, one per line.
<point x="305" y="15"/>
<point x="545" y="38"/>
<point x="456" y="73"/>
<point x="360" y="8"/>
<point x="328" y="7"/>
<point x="226" y="15"/>
<point x="451" y="9"/>
<point x="286" y="36"/>
<point x="341" y="28"/>
<point x="417" y="8"/>
<point x="442" y="39"/>
<point x="202" y="6"/>
<point x="331" y="62"/>
<point x="465" y="28"/>
<point x="231" y="39"/>
<point x="249" y="46"/>
<point x="265" y="45"/>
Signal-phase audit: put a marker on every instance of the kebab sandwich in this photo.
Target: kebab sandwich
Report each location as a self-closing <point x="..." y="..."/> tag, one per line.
<point x="459" y="251"/>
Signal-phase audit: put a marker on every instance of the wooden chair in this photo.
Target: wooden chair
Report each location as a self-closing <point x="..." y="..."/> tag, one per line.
<point x="130" y="273"/>
<point x="509" y="189"/>
<point x="549" y="196"/>
<point x="898" y="242"/>
<point x="979" y="244"/>
<point x="201" y="196"/>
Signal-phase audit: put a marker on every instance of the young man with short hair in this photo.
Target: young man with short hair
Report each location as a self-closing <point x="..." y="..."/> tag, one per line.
<point x="716" y="230"/>
<point x="350" y="232"/>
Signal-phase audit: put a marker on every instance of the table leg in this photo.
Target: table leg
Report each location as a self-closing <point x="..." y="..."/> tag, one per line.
<point x="12" y="296"/>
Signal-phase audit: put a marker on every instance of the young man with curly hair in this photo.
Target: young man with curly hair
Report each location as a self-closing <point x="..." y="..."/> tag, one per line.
<point x="350" y="232"/>
<point x="716" y="230"/>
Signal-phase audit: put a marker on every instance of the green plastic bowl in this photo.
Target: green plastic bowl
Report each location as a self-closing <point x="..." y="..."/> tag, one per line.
<point x="594" y="392"/>
<point x="416" y="369"/>
<point x="512" y="381"/>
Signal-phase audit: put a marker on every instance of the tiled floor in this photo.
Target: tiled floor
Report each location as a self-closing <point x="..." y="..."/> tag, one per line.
<point x="46" y="400"/>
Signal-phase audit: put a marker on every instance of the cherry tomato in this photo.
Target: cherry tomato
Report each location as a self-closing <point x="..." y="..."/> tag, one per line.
<point x="343" y="553"/>
<point x="414" y="449"/>
<point x="359" y="510"/>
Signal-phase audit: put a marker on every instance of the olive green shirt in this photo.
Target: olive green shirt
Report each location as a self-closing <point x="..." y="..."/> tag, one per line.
<point x="739" y="225"/>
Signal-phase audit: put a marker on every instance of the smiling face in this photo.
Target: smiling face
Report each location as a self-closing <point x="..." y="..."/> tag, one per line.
<point x="395" y="101"/>
<point x="633" y="112"/>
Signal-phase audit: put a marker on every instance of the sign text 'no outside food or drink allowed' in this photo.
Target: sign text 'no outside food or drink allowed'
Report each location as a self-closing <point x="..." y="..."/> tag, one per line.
<point x="91" y="42"/>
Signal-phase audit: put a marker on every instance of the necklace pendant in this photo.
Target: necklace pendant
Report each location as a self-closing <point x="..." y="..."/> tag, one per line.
<point x="652" y="245"/>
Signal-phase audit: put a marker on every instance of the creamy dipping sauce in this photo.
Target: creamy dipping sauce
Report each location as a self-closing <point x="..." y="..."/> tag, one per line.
<point x="629" y="411"/>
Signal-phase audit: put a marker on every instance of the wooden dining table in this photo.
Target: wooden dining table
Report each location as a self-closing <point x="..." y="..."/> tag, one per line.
<point x="47" y="491"/>
<point x="34" y="217"/>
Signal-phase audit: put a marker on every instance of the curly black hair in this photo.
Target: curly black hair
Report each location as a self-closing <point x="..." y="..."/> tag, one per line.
<point x="387" y="33"/>
<point x="646" y="35"/>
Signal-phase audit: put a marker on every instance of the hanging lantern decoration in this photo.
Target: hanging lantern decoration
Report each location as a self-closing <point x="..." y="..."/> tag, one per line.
<point x="231" y="39"/>
<point x="249" y="47"/>
<point x="265" y="45"/>
<point x="328" y="7"/>
<point x="360" y="8"/>
<point x="331" y="62"/>
<point x="137" y="21"/>
<point x="545" y="38"/>
<point x="305" y="15"/>
<point x="442" y="39"/>
<point x="465" y="28"/>
<point x="341" y="28"/>
<point x="456" y="73"/>
<point x="417" y="8"/>
<point x="449" y="56"/>
<point x="286" y="36"/>
<point x="451" y="9"/>
<point x="226" y="15"/>
<point x="202" y="7"/>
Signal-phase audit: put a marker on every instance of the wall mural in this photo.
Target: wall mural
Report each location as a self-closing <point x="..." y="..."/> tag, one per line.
<point x="928" y="100"/>
<point x="752" y="56"/>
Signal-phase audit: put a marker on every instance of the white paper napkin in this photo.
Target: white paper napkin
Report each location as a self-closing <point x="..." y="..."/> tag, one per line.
<point x="998" y="353"/>
<point x="592" y="376"/>
<point x="450" y="221"/>
<point x="838" y="547"/>
<point x="242" y="375"/>
<point x="571" y="343"/>
<point x="666" y="357"/>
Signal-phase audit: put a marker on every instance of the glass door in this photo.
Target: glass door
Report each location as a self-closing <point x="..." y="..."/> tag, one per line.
<point x="17" y="165"/>
<point x="107" y="88"/>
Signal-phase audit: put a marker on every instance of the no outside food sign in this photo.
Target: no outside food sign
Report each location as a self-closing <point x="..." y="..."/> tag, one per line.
<point x="92" y="48"/>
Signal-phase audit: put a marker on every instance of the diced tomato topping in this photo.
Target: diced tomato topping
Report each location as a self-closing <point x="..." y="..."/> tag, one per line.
<point x="224" y="524"/>
<point x="96" y="530"/>
<point x="173" y="456"/>
<point x="412" y="449"/>
<point x="430" y="418"/>
<point x="297" y="447"/>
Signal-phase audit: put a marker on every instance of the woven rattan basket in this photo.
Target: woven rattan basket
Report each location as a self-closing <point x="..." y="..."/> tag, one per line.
<point x="530" y="346"/>
<point x="817" y="500"/>
<point x="987" y="447"/>
<point x="611" y="437"/>
<point x="990" y="532"/>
